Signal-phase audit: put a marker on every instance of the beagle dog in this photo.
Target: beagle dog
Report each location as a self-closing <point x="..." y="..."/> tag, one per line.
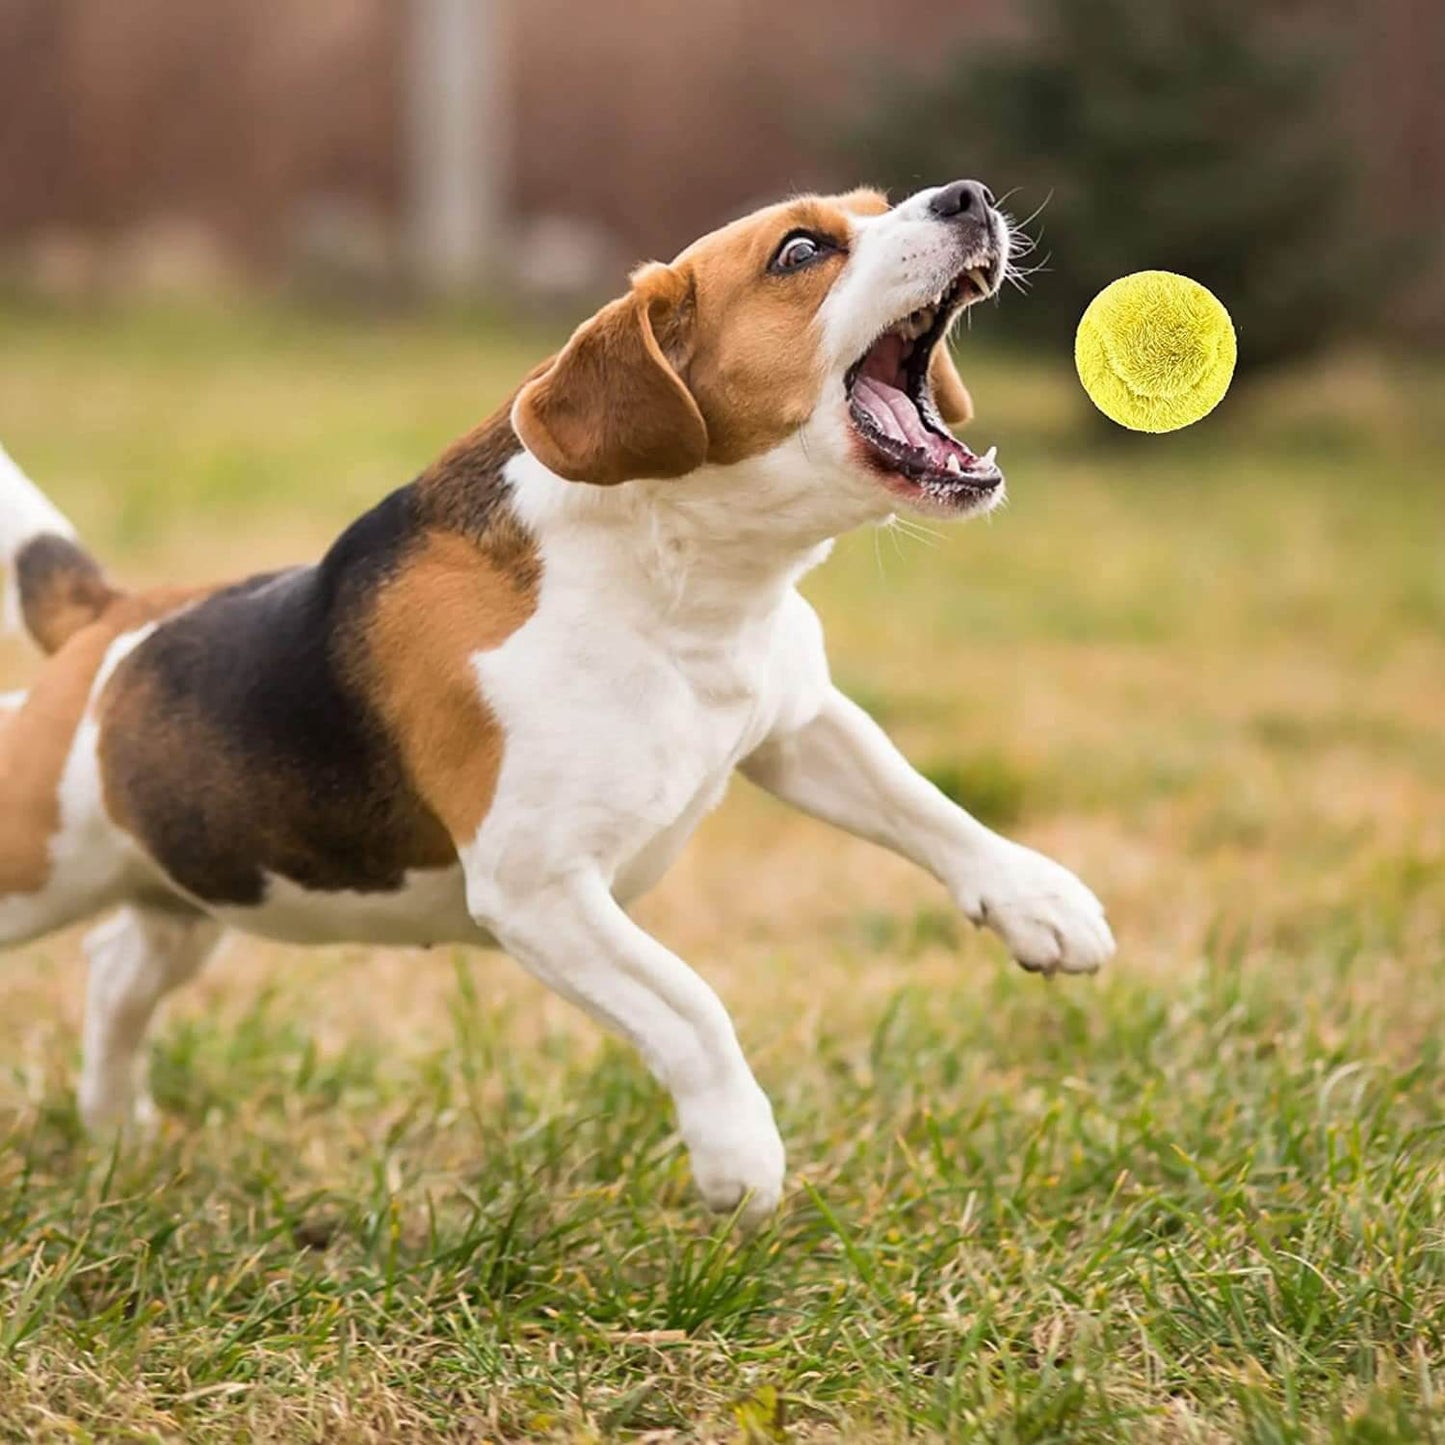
<point x="497" y="708"/>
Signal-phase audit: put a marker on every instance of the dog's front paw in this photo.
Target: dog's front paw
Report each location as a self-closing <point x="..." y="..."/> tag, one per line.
<point x="737" y="1153"/>
<point x="1050" y="922"/>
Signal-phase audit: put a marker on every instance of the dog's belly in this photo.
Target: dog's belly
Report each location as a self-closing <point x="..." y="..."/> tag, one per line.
<point x="430" y="907"/>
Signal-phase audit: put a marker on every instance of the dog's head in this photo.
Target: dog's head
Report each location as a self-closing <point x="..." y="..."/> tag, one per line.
<point x="806" y="340"/>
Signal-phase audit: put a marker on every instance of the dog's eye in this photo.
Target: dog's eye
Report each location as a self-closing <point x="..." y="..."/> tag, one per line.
<point x="798" y="250"/>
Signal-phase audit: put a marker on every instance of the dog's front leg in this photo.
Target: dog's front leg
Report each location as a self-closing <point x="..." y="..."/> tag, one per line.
<point x="841" y="767"/>
<point x="574" y="937"/>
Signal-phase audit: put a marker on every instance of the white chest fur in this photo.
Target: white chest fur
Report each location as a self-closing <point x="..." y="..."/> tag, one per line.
<point x="651" y="667"/>
<point x="618" y="741"/>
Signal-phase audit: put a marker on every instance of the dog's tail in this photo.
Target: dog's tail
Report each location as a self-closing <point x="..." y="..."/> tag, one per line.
<point x="52" y="585"/>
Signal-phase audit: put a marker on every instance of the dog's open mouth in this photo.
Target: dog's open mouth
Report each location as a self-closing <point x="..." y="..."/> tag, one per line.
<point x="891" y="405"/>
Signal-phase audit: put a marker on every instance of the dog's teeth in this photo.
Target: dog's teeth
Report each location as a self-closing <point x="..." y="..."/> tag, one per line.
<point x="917" y="323"/>
<point x="987" y="459"/>
<point x="979" y="277"/>
<point x="954" y="465"/>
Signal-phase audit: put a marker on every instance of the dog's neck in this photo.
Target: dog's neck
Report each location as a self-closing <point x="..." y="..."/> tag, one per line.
<point x="692" y="551"/>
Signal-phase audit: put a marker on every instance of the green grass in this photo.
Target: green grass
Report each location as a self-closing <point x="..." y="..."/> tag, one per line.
<point x="1023" y="1213"/>
<point x="1199" y="1198"/>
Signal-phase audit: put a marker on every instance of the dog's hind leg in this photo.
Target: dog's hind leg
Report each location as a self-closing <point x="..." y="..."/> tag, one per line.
<point x="136" y="957"/>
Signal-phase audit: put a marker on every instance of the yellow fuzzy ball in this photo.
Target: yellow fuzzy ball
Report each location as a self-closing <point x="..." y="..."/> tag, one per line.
<point x="1155" y="351"/>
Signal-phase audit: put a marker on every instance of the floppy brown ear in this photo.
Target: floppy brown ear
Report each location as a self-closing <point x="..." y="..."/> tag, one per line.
<point x="955" y="405"/>
<point x="612" y="407"/>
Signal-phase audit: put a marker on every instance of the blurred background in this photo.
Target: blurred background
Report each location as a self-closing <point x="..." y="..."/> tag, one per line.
<point x="1289" y="153"/>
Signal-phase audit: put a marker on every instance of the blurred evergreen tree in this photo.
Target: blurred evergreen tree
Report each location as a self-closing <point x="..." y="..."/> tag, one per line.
<point x="1185" y="135"/>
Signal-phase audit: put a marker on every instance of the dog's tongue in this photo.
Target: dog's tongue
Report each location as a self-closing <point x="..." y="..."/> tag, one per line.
<point x="891" y="411"/>
<point x="879" y="391"/>
<point x="884" y="361"/>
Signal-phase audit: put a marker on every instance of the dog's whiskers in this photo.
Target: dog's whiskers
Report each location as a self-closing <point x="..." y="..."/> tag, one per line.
<point x="913" y="530"/>
<point x="1034" y="214"/>
<point x="1021" y="277"/>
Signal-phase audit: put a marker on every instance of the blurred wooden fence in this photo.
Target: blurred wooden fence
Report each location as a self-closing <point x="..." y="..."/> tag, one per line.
<point x="649" y="118"/>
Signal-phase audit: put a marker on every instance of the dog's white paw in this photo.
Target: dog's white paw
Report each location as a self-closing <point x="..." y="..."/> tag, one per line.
<point x="1050" y="922"/>
<point x="737" y="1153"/>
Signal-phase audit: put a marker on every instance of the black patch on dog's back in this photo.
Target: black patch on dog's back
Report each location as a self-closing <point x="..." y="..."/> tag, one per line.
<point x="236" y="745"/>
<point x="239" y="739"/>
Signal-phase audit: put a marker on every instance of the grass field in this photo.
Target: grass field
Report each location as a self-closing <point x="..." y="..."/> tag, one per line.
<point x="1202" y="1197"/>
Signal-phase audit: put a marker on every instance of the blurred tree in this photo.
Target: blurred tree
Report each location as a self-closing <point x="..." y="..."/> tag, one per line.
<point x="1186" y="135"/>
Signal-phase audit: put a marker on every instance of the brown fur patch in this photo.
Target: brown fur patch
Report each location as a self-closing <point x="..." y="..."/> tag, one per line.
<point x="708" y="359"/>
<point x="469" y="582"/>
<point x="61" y="589"/>
<point x="450" y="599"/>
<point x="612" y="407"/>
<point x="35" y="741"/>
<point x="463" y="491"/>
<point x="754" y="365"/>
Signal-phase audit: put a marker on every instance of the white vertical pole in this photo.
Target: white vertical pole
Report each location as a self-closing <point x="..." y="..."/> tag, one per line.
<point x="457" y="148"/>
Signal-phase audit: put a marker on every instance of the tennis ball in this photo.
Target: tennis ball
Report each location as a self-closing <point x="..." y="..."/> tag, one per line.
<point x="1155" y="351"/>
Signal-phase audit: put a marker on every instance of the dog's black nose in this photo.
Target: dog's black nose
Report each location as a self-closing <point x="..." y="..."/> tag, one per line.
<point x="962" y="198"/>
